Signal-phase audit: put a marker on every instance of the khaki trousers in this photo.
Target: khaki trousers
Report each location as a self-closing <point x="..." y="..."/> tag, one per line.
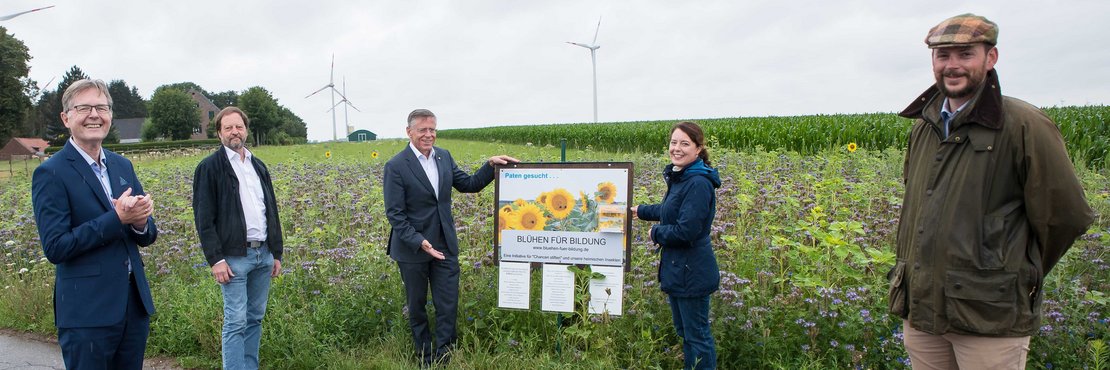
<point x="955" y="351"/>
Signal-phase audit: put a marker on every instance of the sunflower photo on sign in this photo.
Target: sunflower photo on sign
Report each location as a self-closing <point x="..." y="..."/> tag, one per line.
<point x="563" y="213"/>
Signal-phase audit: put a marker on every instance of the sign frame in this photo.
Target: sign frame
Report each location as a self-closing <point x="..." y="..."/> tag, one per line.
<point x="626" y="229"/>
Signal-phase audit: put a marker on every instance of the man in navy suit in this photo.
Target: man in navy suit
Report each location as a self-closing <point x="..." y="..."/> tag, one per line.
<point x="417" y="191"/>
<point x="92" y="216"/>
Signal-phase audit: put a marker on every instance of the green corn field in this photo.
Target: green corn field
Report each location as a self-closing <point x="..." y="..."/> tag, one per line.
<point x="1083" y="129"/>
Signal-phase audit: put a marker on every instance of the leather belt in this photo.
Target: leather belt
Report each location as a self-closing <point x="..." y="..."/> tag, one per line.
<point x="255" y="244"/>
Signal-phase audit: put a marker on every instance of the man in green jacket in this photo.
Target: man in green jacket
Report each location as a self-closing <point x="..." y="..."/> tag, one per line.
<point x="992" y="203"/>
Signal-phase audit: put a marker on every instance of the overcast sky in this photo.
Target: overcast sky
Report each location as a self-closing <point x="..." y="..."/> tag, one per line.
<point x="487" y="62"/>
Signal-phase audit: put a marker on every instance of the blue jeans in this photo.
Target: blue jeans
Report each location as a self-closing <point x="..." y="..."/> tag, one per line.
<point x="691" y="321"/>
<point x="244" y="305"/>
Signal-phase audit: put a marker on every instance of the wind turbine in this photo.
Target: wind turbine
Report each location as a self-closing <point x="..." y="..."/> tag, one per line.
<point x="35" y="100"/>
<point x="41" y="89"/>
<point x="330" y="85"/>
<point x="348" y="102"/>
<point x="593" y="46"/>
<point x="10" y="16"/>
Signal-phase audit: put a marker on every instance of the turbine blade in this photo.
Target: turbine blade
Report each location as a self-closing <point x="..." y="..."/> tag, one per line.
<point x="597" y="29"/>
<point x="336" y="105"/>
<point x="10" y="16"/>
<point x="314" y="92"/>
<point x="352" y="105"/>
<point x="339" y="93"/>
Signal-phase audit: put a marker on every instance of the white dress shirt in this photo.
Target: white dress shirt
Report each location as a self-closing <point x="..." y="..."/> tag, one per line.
<point x="430" y="167"/>
<point x="250" y="194"/>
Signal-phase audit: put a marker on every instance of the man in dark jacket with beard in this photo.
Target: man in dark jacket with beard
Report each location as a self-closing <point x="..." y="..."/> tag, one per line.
<point x="236" y="215"/>
<point x="992" y="203"/>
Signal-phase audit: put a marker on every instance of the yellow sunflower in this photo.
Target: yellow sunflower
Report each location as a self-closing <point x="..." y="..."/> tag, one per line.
<point x="606" y="192"/>
<point x="852" y="147"/>
<point x="374" y="154"/>
<point x="327" y="154"/>
<point x="529" y="217"/>
<point x="505" y="220"/>
<point x="585" y="201"/>
<point x="560" y="202"/>
<point x="542" y="199"/>
<point x="520" y="202"/>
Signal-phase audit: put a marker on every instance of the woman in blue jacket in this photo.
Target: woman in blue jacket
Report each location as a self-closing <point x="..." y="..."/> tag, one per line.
<point x="687" y="268"/>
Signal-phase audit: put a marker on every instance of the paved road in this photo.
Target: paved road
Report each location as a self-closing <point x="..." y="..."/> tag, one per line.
<point x="19" y="352"/>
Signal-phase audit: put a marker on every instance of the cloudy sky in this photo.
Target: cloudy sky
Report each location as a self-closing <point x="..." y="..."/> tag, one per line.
<point x="499" y="62"/>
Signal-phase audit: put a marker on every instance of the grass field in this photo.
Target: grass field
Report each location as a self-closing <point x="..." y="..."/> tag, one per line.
<point x="804" y="242"/>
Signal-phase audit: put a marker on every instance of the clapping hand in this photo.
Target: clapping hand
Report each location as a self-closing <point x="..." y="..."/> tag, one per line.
<point x="133" y="210"/>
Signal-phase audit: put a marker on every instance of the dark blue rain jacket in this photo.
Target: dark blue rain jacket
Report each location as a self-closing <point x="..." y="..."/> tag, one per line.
<point x="687" y="267"/>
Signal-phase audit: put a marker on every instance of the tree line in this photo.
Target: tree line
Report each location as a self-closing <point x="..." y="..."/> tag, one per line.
<point x="28" y="110"/>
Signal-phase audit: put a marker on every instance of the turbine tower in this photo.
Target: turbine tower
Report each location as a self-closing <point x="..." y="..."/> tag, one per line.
<point x="593" y="46"/>
<point x="39" y="129"/>
<point x="10" y="16"/>
<point x="346" y="123"/>
<point x="331" y="85"/>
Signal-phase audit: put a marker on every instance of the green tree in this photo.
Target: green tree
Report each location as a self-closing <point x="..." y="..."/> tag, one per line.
<point x="264" y="113"/>
<point x="222" y="100"/>
<point x="37" y="117"/>
<point x="30" y="118"/>
<point x="183" y="86"/>
<point x="126" y="101"/>
<point x="293" y="127"/>
<point x="225" y="99"/>
<point x="14" y="85"/>
<point x="173" y="115"/>
<point x="50" y="108"/>
<point x="148" y="131"/>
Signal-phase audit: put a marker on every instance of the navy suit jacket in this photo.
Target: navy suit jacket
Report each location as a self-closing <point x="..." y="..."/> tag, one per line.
<point x="413" y="210"/>
<point x="83" y="237"/>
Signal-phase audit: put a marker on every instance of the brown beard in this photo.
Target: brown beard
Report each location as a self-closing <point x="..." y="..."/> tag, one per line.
<point x="972" y="86"/>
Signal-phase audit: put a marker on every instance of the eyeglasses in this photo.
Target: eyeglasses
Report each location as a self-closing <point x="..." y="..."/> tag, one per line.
<point x="86" y="109"/>
<point x="425" y="130"/>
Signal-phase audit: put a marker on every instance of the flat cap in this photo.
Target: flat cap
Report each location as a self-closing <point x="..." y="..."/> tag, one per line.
<point x="963" y="29"/>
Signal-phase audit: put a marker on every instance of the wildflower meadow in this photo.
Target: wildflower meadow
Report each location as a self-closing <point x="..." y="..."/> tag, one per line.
<point x="804" y="242"/>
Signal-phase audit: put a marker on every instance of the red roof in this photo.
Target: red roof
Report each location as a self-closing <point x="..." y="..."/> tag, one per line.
<point x="32" y="144"/>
